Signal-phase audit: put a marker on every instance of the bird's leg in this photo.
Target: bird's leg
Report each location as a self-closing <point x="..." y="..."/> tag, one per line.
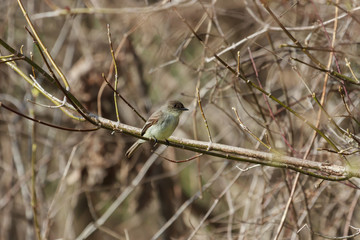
<point x="155" y="140"/>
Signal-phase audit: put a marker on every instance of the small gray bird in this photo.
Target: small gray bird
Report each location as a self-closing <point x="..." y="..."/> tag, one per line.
<point x="160" y="125"/>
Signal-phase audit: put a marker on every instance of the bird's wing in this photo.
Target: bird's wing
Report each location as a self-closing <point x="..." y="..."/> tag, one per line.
<point x="153" y="119"/>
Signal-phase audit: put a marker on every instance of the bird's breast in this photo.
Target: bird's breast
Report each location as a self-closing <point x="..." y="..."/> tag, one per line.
<point x="163" y="128"/>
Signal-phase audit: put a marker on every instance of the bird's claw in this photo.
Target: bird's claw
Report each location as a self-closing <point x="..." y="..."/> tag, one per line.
<point x="155" y="141"/>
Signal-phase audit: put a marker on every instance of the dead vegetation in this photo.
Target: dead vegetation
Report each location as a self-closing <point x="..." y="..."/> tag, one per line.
<point x="278" y="78"/>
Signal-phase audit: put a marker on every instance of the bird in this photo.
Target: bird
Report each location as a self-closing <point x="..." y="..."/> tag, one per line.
<point x="160" y="125"/>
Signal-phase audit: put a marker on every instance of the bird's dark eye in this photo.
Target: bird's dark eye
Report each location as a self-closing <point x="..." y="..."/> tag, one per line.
<point x="178" y="105"/>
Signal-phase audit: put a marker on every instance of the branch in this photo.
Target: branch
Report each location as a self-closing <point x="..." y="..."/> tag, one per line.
<point x="316" y="169"/>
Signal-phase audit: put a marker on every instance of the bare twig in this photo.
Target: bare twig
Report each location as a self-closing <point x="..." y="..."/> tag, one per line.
<point x="116" y="72"/>
<point x="91" y="227"/>
<point x="204" y="118"/>
<point x="187" y="203"/>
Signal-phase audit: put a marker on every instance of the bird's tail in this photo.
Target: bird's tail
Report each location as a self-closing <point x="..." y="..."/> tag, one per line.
<point x="132" y="149"/>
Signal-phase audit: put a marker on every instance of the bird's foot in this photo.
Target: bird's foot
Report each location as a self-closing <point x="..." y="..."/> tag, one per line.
<point x="155" y="141"/>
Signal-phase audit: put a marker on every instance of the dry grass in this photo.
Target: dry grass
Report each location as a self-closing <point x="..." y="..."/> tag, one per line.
<point x="80" y="176"/>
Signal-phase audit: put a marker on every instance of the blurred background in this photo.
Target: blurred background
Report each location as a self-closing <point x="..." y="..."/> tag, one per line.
<point x="79" y="175"/>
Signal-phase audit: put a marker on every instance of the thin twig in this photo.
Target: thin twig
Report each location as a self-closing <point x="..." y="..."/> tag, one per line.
<point x="211" y="208"/>
<point x="45" y="123"/>
<point x="290" y="199"/>
<point x="91" y="227"/>
<point x="120" y="96"/>
<point x="187" y="203"/>
<point x="62" y="76"/>
<point x="268" y="104"/>
<point x="357" y="233"/>
<point x="204" y="118"/>
<point x="116" y="73"/>
<point x="34" y="202"/>
<point x="246" y="129"/>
